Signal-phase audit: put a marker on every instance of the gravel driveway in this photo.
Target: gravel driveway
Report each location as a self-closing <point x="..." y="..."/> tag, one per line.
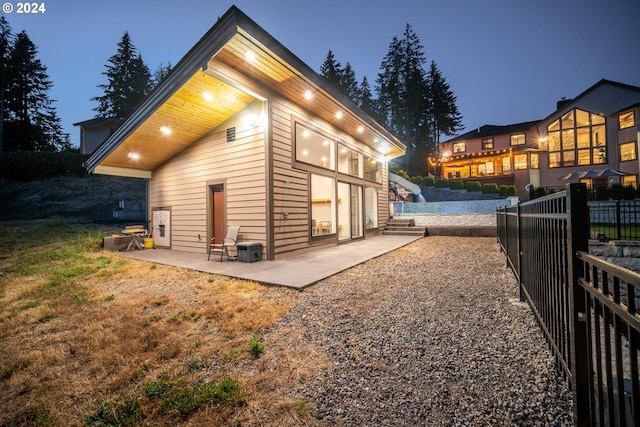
<point x="430" y="334"/>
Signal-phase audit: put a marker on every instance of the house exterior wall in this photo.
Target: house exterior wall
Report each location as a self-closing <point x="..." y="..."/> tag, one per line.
<point x="291" y="182"/>
<point x="182" y="184"/>
<point x="91" y="138"/>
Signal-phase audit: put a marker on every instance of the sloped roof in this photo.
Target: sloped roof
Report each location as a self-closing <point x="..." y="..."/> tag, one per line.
<point x="635" y="106"/>
<point x="493" y="130"/>
<point x="97" y="122"/>
<point x="218" y="65"/>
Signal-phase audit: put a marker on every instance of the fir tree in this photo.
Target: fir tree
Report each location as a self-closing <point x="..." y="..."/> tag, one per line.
<point x="6" y="41"/>
<point x="331" y="70"/>
<point x="30" y="120"/>
<point x="129" y="81"/>
<point x="349" y="84"/>
<point x="443" y="111"/>
<point x="365" y="99"/>
<point x="160" y="74"/>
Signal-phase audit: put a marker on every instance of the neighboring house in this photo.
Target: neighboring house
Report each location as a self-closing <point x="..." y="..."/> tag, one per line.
<point x="504" y="155"/>
<point x="584" y="134"/>
<point x="597" y="130"/>
<point x="95" y="131"/>
<point x="241" y="132"/>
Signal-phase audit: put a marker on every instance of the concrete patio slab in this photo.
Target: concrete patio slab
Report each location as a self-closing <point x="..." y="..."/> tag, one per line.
<point x="296" y="270"/>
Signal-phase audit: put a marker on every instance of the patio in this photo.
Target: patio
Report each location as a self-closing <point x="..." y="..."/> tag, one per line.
<point x="296" y="270"/>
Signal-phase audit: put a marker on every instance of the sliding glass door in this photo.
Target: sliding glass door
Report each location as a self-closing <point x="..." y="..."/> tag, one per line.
<point x="349" y="211"/>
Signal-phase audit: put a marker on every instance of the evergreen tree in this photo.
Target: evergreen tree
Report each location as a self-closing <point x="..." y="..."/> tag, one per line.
<point x="402" y="97"/>
<point x="332" y="70"/>
<point x="129" y="81"/>
<point x="161" y="72"/>
<point x="365" y="99"/>
<point x="443" y="111"/>
<point x="30" y="120"/>
<point x="349" y="84"/>
<point x="6" y="41"/>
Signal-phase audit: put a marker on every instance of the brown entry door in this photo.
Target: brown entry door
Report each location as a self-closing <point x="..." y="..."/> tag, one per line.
<point x="218" y="212"/>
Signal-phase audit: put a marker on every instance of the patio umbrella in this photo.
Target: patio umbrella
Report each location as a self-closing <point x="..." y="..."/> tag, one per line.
<point x="602" y="173"/>
<point x="593" y="173"/>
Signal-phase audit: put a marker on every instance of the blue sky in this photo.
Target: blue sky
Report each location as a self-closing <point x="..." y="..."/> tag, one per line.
<point x="507" y="61"/>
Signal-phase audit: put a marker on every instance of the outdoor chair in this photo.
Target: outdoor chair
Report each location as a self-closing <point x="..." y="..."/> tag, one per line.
<point x="229" y="240"/>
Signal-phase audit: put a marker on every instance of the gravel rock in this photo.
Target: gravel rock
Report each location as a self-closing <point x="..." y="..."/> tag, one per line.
<point x="430" y="334"/>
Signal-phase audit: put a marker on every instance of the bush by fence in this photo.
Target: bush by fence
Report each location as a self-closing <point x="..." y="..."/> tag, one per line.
<point x="32" y="166"/>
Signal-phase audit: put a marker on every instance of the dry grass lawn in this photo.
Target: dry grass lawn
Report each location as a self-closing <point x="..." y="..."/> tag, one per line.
<point x="91" y="338"/>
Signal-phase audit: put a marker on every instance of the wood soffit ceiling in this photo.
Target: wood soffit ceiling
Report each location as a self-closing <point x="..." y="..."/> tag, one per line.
<point x="190" y="116"/>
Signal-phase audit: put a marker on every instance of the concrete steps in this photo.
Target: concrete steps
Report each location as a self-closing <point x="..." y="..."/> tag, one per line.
<point x="403" y="227"/>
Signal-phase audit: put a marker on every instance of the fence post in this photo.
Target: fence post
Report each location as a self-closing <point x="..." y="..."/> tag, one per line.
<point x="578" y="240"/>
<point x="619" y="227"/>
<point x="523" y="298"/>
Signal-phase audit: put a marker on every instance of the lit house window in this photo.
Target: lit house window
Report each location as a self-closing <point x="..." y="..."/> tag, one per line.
<point x="628" y="151"/>
<point x="535" y="161"/>
<point x="349" y="161"/>
<point x="578" y="137"/>
<point x="459" y="147"/>
<point x="487" y="143"/>
<point x="372" y="170"/>
<point x="631" y="180"/>
<point x="520" y="161"/>
<point x="506" y="164"/>
<point x="626" y="120"/>
<point x="370" y="208"/>
<point x="314" y="148"/>
<point x="518" y="139"/>
<point x="323" y="205"/>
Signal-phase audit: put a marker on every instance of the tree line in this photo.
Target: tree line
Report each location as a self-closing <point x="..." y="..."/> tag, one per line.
<point x="414" y="103"/>
<point x="29" y="121"/>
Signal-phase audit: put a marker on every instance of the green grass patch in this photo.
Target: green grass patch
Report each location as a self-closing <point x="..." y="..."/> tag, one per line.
<point x="124" y="413"/>
<point x="183" y="403"/>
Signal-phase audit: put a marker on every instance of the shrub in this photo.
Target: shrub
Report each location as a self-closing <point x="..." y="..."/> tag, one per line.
<point x="456" y="184"/>
<point x="403" y="174"/>
<point x="416" y="179"/>
<point x="508" y="190"/>
<point x="427" y="181"/>
<point x="473" y="186"/>
<point x="442" y="183"/>
<point x="490" y="188"/>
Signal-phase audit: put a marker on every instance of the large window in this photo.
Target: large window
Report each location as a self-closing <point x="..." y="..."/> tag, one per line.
<point x="323" y="205"/>
<point x="628" y="151"/>
<point x="349" y="161"/>
<point x="626" y="120"/>
<point x="314" y="148"/>
<point x="372" y="170"/>
<point x="578" y="137"/>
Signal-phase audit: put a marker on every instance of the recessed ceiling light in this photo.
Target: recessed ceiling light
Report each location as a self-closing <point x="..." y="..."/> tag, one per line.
<point x="360" y="129"/>
<point x="307" y="94"/>
<point x="250" y="56"/>
<point x="339" y="115"/>
<point x="207" y="96"/>
<point x="134" y="156"/>
<point x="165" y="130"/>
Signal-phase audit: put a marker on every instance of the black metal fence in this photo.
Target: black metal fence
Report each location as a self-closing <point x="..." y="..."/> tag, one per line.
<point x="585" y="306"/>
<point x="615" y="220"/>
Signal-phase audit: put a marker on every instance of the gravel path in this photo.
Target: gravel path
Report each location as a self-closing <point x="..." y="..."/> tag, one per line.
<point x="430" y="334"/>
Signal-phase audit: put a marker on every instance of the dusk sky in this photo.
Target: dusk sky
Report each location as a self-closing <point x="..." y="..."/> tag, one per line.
<point x="507" y="61"/>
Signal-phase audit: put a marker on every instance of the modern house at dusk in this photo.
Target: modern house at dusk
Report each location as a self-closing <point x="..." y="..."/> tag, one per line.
<point x="596" y="130"/>
<point x="242" y="132"/>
